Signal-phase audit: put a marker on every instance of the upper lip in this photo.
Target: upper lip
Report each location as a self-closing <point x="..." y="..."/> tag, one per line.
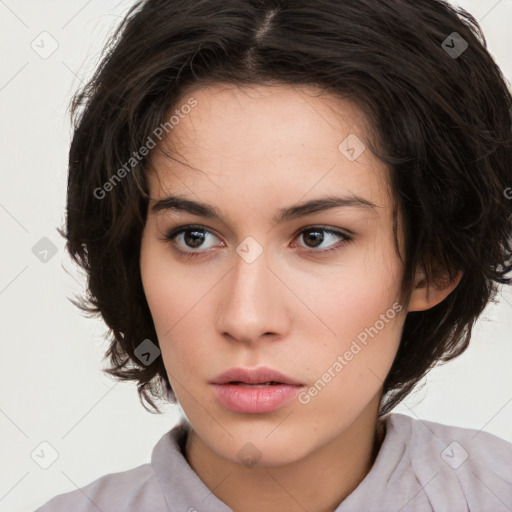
<point x="254" y="376"/>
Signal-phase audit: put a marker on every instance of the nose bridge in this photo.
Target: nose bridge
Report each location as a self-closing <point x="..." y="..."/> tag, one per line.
<point x="250" y="308"/>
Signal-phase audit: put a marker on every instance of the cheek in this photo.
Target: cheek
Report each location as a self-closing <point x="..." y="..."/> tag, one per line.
<point x="355" y="294"/>
<point x="174" y="299"/>
<point x="359" y="305"/>
<point x="367" y="329"/>
<point x="347" y="370"/>
<point x="171" y="291"/>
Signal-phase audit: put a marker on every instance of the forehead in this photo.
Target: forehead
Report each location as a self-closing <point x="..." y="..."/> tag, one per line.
<point x="280" y="141"/>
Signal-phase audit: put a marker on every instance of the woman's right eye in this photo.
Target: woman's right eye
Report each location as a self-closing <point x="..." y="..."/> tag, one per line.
<point x="191" y="237"/>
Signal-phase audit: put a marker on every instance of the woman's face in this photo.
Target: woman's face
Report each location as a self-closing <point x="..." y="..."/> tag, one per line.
<point x="310" y="292"/>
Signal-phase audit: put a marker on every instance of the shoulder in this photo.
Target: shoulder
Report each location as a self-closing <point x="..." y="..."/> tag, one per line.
<point x="472" y="464"/>
<point x="460" y="446"/>
<point x="132" y="490"/>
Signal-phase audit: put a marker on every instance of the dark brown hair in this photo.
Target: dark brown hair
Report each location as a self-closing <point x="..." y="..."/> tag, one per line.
<point x="440" y="115"/>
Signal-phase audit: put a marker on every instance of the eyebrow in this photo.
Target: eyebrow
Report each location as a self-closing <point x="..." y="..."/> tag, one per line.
<point x="182" y="204"/>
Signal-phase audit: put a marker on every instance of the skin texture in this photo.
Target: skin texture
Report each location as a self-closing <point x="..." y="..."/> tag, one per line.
<point x="252" y="152"/>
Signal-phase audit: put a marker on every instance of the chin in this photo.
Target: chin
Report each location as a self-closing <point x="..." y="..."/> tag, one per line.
<point x="259" y="451"/>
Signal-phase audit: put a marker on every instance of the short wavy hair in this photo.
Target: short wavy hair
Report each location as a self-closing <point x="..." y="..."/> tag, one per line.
<point x="440" y="116"/>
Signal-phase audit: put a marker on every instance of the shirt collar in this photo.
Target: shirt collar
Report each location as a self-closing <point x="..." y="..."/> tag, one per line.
<point x="182" y="487"/>
<point x="185" y="491"/>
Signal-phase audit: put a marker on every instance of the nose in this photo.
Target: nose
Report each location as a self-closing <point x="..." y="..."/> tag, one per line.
<point x="255" y="302"/>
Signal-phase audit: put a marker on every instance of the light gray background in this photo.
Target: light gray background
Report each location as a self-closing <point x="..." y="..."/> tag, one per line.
<point x="52" y="388"/>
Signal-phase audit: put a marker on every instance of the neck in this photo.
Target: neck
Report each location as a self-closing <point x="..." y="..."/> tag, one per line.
<point x="336" y="468"/>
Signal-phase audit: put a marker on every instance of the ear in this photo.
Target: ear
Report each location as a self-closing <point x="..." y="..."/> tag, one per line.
<point x="427" y="296"/>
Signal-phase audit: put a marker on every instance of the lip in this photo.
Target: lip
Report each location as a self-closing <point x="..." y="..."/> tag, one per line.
<point x="254" y="376"/>
<point x="244" y="390"/>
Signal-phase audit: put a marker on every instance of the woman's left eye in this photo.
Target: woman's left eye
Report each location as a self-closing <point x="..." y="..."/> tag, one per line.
<point x="194" y="236"/>
<point x="316" y="236"/>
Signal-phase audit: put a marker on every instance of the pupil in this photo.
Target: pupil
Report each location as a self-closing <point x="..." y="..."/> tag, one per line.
<point x="197" y="238"/>
<point x="317" y="236"/>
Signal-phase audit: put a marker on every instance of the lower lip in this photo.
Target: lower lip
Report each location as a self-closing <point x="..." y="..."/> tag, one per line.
<point x="254" y="399"/>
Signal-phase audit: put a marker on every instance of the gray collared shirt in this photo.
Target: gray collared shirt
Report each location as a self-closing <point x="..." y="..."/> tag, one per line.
<point x="421" y="466"/>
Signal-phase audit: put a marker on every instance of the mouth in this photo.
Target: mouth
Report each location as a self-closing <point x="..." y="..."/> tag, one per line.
<point x="254" y="391"/>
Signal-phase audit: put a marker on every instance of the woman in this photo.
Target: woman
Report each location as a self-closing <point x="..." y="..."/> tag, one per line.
<point x="289" y="212"/>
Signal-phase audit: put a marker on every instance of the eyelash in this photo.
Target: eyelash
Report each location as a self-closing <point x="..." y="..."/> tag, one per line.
<point x="171" y="235"/>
